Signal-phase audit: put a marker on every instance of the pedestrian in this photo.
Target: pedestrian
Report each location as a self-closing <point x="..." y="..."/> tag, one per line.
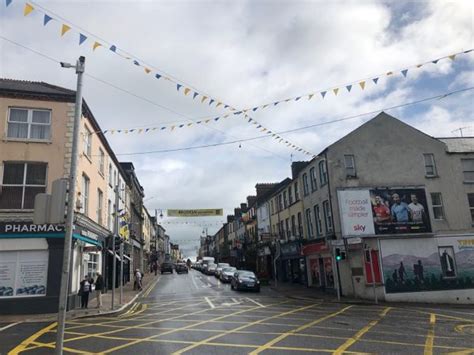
<point x="155" y="267"/>
<point x="99" y="287"/>
<point x="84" y="290"/>
<point x="138" y="279"/>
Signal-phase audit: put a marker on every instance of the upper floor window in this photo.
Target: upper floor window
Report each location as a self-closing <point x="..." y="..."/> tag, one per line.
<point x="29" y="124"/>
<point x="297" y="193"/>
<point x="312" y="176"/>
<point x="272" y="209"/>
<point x="100" y="205"/>
<point x="21" y="183"/>
<point x="437" y="203"/>
<point x="349" y="163"/>
<point x="280" y="202"/>
<point x="293" y="225"/>
<point x="290" y="195"/>
<point x="285" y="200"/>
<point x="109" y="215"/>
<point x="328" y="216"/>
<point x="319" y="222"/>
<point x="305" y="184"/>
<point x="309" y="223"/>
<point x="323" y="174"/>
<point x="430" y="166"/>
<point x="87" y="141"/>
<point x="85" y="194"/>
<point x="101" y="161"/>
<point x="468" y="169"/>
<point x="470" y="199"/>
<point x="110" y="175"/>
<point x="300" y="225"/>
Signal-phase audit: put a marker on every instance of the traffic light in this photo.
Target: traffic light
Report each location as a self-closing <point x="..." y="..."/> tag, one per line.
<point x="340" y="254"/>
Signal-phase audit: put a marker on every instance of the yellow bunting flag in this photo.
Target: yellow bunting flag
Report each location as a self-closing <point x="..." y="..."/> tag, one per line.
<point x="140" y="130"/>
<point x="218" y="104"/>
<point x="186" y="91"/>
<point x="172" y="127"/>
<point x="336" y="90"/>
<point x="419" y="65"/>
<point x="362" y="85"/>
<point x="64" y="29"/>
<point x="126" y="131"/>
<point x="204" y="98"/>
<point x="263" y="130"/>
<point x="452" y="56"/>
<point x="96" y="45"/>
<point x="190" y="124"/>
<point x="264" y="106"/>
<point x="147" y="70"/>
<point x="226" y="115"/>
<point x="310" y="96"/>
<point x="28" y="9"/>
<point x="389" y="73"/>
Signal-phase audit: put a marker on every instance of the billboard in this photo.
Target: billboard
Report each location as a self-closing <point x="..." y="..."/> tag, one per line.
<point x="382" y="211"/>
<point x="196" y="213"/>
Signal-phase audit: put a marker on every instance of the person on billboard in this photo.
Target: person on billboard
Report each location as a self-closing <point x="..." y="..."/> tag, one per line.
<point x="381" y="211"/>
<point x="416" y="209"/>
<point x="399" y="209"/>
<point x="401" y="272"/>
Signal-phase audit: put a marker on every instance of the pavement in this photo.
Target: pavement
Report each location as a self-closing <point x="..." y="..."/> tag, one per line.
<point x="197" y="314"/>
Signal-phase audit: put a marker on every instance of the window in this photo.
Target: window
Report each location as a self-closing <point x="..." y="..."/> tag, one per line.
<point x="115" y="178"/>
<point x="470" y="198"/>
<point x="309" y="223"/>
<point x="327" y="216"/>
<point x="448" y="261"/>
<point x="430" y="167"/>
<point x="297" y="193"/>
<point x="323" y="174"/>
<point x="290" y="195"/>
<point x="21" y="183"/>
<point x="101" y="161"/>
<point x="349" y="163"/>
<point x="293" y="225"/>
<point x="468" y="169"/>
<point x="92" y="265"/>
<point x="285" y="200"/>
<point x="100" y="206"/>
<point x="300" y="225"/>
<point x="287" y="226"/>
<point x="109" y="215"/>
<point x="437" y="203"/>
<point x="87" y="141"/>
<point x="29" y="124"/>
<point x="271" y="207"/>
<point x="312" y="176"/>
<point x="305" y="184"/>
<point x="85" y="194"/>
<point x="319" y="222"/>
<point x="110" y="175"/>
<point x="280" y="202"/>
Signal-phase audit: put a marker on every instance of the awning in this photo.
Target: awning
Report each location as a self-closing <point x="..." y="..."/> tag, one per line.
<point x="116" y="254"/>
<point x="87" y="239"/>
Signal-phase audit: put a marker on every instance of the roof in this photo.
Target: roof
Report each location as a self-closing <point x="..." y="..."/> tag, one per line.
<point x="37" y="88"/>
<point x="459" y="144"/>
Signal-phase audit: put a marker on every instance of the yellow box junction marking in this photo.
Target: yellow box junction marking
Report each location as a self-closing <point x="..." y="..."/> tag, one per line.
<point x="23" y="345"/>
<point x="430" y="337"/>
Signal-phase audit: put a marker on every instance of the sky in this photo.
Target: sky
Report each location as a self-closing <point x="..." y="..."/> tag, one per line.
<point x="244" y="54"/>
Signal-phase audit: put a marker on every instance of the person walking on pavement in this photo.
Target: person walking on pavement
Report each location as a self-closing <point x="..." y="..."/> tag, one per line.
<point x="84" y="290"/>
<point x="99" y="287"/>
<point x="138" y="279"/>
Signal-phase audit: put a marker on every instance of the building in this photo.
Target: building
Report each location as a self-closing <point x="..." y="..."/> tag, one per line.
<point x="396" y="207"/>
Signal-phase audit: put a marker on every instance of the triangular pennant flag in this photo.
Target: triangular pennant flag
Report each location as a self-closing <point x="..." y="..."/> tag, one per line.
<point x="362" y="85"/>
<point x="250" y="120"/>
<point x="82" y="38"/>
<point x="186" y="91"/>
<point x="227" y="115"/>
<point x="125" y="131"/>
<point x="190" y="124"/>
<point x="119" y="131"/>
<point x="172" y="127"/>
<point x="146" y="130"/>
<point x="265" y="106"/>
<point x="259" y="126"/>
<point x="269" y="132"/>
<point x="195" y="94"/>
<point x="469" y="50"/>
<point x="225" y="106"/>
<point x="140" y="130"/>
<point x="238" y="113"/>
<point x="349" y="87"/>
<point x="336" y="90"/>
<point x="218" y="104"/>
<point x="46" y="19"/>
<point x="216" y="119"/>
<point x="435" y="61"/>
<point x="204" y="98"/>
<point x="113" y="48"/>
<point x="310" y="96"/>
<point x="132" y="130"/>
<point x="207" y="121"/>
<point x="198" y="122"/>
<point x="452" y="56"/>
<point x="254" y="109"/>
<point x="263" y="130"/>
<point x="287" y="100"/>
<point x="112" y="131"/>
<point x="299" y="97"/>
<point x="64" y="29"/>
<point x="178" y="86"/>
<point x="323" y="93"/>
<point x="419" y="65"/>
<point x="375" y="80"/>
<point x="404" y="72"/>
<point x="157" y="76"/>
<point x="28" y="9"/>
<point x="276" y="103"/>
<point x="96" y="45"/>
<point x="147" y="70"/>
<point x="135" y="62"/>
<point x="105" y="132"/>
<point x="181" y="125"/>
<point x="154" y="128"/>
<point x="211" y="101"/>
<point x="8" y="2"/>
<point x="389" y="73"/>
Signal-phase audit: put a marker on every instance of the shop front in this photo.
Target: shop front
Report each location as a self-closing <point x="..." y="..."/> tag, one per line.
<point x="265" y="262"/>
<point x="319" y="265"/>
<point x="292" y="263"/>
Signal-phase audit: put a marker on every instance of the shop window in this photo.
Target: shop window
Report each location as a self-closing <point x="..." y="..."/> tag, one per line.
<point x="448" y="261"/>
<point x="29" y="124"/>
<point x="93" y="265"/>
<point x="372" y="256"/>
<point x="21" y="183"/>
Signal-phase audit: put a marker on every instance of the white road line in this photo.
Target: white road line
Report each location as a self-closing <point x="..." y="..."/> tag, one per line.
<point x="258" y="304"/>
<point x="209" y="301"/>
<point x="234" y="300"/>
<point x="194" y="281"/>
<point x="9" y="326"/>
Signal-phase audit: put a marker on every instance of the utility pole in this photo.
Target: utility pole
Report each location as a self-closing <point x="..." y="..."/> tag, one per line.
<point x="64" y="290"/>
<point x="116" y="230"/>
<point x="121" y="272"/>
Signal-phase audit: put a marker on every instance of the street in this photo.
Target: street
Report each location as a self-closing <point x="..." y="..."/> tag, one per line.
<point x="196" y="314"/>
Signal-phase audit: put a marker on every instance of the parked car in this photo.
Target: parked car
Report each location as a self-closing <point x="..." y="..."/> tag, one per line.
<point x="227" y="273"/>
<point x="245" y="280"/>
<point x="219" y="268"/>
<point x="166" y="267"/>
<point x="211" y="269"/>
<point x="181" y="268"/>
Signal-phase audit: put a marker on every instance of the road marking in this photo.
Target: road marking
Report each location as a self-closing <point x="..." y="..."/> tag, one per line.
<point x="194" y="281"/>
<point x="209" y="301"/>
<point x="269" y="344"/>
<point x="9" y="326"/>
<point x="257" y="303"/>
<point x="22" y="346"/>
<point x="340" y="350"/>
<point x="430" y="337"/>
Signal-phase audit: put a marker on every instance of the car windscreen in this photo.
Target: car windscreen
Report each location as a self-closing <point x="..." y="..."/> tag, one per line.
<point x="229" y="269"/>
<point x="246" y="274"/>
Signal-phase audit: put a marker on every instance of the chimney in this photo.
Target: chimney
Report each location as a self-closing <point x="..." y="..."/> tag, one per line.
<point x="296" y="167"/>
<point x="243" y="207"/>
<point x="251" y="200"/>
<point x="263" y="189"/>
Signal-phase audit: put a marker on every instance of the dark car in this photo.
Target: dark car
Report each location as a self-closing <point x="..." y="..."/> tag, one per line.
<point x="181" y="268"/>
<point x="245" y="280"/>
<point x="166" y="267"/>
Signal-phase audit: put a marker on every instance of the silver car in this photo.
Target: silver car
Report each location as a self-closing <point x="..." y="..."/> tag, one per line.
<point x="227" y="273"/>
<point x="220" y="266"/>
